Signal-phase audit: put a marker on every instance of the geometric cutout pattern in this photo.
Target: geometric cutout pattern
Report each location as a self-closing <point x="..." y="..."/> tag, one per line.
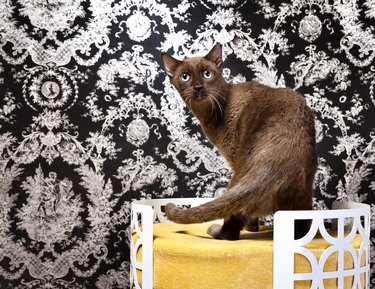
<point x="347" y="247"/>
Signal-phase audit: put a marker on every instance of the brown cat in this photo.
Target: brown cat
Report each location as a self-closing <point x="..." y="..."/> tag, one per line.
<point x="266" y="134"/>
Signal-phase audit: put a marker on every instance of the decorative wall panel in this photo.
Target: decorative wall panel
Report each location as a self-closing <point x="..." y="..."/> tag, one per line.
<point x="89" y="121"/>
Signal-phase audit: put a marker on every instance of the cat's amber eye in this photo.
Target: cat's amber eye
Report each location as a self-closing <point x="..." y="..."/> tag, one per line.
<point x="185" y="77"/>
<point x="207" y="74"/>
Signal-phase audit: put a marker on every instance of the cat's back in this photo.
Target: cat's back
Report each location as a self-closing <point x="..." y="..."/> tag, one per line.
<point x="253" y="102"/>
<point x="272" y="121"/>
<point x="260" y="96"/>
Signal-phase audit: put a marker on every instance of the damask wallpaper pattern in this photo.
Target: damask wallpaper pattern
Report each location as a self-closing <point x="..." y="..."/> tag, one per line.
<point x="89" y="121"/>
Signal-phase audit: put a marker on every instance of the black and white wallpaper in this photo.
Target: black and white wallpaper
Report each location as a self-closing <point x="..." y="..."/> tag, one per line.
<point x="89" y="121"/>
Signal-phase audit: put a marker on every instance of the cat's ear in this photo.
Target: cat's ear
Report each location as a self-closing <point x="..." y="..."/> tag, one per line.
<point x="215" y="55"/>
<point x="170" y="63"/>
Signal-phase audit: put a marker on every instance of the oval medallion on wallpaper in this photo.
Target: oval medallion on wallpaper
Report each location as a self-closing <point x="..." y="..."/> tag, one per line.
<point x="50" y="88"/>
<point x="138" y="132"/>
<point x="139" y="26"/>
<point x="310" y="28"/>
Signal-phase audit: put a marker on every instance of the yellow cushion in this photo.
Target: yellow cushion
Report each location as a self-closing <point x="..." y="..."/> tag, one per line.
<point x="186" y="257"/>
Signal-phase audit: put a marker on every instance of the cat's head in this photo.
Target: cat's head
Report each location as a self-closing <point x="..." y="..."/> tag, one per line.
<point x="199" y="80"/>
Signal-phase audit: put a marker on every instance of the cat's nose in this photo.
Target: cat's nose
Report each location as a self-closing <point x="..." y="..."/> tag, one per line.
<point x="198" y="88"/>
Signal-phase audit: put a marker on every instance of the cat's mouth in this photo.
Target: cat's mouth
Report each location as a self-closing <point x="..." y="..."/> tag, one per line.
<point x="196" y="97"/>
<point x="200" y="95"/>
<point x="199" y="92"/>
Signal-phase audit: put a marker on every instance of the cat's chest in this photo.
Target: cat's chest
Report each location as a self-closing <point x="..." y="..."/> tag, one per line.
<point x="230" y="133"/>
<point x="227" y="139"/>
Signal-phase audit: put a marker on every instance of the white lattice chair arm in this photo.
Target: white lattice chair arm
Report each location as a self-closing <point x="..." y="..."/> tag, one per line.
<point x="144" y="214"/>
<point x="351" y="217"/>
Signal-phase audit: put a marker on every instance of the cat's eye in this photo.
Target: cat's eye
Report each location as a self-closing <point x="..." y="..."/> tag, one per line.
<point x="207" y="74"/>
<point x="185" y="77"/>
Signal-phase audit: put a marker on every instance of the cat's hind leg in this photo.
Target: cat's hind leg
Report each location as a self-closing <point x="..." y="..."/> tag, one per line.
<point x="302" y="201"/>
<point x="252" y="225"/>
<point x="230" y="230"/>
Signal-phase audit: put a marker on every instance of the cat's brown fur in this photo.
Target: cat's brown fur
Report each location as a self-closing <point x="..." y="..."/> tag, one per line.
<point x="266" y="134"/>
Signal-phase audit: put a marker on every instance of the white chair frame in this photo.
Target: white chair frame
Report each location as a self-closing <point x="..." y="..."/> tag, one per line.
<point x="285" y="246"/>
<point x="146" y="212"/>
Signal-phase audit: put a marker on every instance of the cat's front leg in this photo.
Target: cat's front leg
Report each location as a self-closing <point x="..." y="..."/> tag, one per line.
<point x="229" y="231"/>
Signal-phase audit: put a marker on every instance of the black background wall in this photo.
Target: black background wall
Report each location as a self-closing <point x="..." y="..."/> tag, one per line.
<point x="89" y="122"/>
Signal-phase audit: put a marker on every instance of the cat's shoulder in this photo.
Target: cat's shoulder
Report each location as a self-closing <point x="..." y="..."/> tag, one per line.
<point x="252" y="85"/>
<point x="251" y="89"/>
<point x="255" y="87"/>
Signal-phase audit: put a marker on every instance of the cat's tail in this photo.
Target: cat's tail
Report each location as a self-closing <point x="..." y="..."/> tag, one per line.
<point x="233" y="200"/>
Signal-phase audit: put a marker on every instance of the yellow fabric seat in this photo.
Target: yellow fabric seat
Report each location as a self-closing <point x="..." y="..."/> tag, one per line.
<point x="186" y="257"/>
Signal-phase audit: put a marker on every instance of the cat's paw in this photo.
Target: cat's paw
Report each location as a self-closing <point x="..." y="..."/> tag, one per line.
<point x="215" y="231"/>
<point x="170" y="209"/>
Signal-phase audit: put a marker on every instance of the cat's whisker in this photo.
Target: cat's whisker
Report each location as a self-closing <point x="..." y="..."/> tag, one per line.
<point x="220" y="107"/>
<point x="187" y="99"/>
<point x="216" y="107"/>
<point x="191" y="99"/>
<point x="218" y="93"/>
<point x="223" y="98"/>
<point x="216" y="102"/>
<point x="213" y="107"/>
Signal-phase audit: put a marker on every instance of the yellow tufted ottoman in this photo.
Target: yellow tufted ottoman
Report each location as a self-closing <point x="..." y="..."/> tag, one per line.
<point x="186" y="257"/>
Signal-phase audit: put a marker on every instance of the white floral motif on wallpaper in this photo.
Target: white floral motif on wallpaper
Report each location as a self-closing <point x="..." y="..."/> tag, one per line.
<point x="52" y="211"/>
<point x="50" y="216"/>
<point x="49" y="137"/>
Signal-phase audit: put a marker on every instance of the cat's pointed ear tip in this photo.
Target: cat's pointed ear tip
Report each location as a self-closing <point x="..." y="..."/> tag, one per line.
<point x="218" y="45"/>
<point x="217" y="48"/>
<point x="169" y="62"/>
